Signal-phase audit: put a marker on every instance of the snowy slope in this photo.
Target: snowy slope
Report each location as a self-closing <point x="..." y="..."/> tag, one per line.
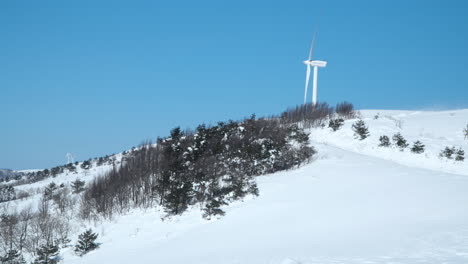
<point x="355" y="204"/>
<point x="435" y="129"/>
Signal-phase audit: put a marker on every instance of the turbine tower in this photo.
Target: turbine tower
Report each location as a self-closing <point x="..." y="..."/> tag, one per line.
<point x="316" y="64"/>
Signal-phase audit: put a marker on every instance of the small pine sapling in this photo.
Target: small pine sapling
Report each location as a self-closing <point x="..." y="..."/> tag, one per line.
<point x="400" y="141"/>
<point x="212" y="208"/>
<point x="336" y="124"/>
<point x="460" y="155"/>
<point x="49" y="190"/>
<point x="384" y="141"/>
<point x="12" y="257"/>
<point x="418" y="147"/>
<point x="360" y="130"/>
<point x="447" y="152"/>
<point x="86" y="242"/>
<point x="47" y="254"/>
<point x="78" y="186"/>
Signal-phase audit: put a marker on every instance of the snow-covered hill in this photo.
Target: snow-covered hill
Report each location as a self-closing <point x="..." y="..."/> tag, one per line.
<point x="436" y="130"/>
<point x="356" y="203"/>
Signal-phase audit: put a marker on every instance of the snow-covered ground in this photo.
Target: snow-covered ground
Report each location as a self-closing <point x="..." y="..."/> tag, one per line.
<point x="356" y="203"/>
<point x="436" y="130"/>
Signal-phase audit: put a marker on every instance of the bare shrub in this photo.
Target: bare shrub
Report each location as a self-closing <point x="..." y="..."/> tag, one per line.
<point x="345" y="110"/>
<point x="307" y="115"/>
<point x="63" y="201"/>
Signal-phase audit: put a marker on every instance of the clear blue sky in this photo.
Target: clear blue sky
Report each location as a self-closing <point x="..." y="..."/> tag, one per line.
<point x="97" y="77"/>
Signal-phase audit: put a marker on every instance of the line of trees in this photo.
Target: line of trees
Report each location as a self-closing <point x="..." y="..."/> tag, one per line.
<point x="211" y="166"/>
<point x="309" y="115"/>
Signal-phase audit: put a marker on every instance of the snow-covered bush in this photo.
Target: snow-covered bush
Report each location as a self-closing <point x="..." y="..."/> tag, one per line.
<point x="360" y="129"/>
<point x="384" y="141"/>
<point x="418" y="147"/>
<point x="400" y="141"/>
<point x="465" y="132"/>
<point x="7" y="193"/>
<point x="86" y="165"/>
<point x="336" y="124"/>
<point x="13" y="256"/>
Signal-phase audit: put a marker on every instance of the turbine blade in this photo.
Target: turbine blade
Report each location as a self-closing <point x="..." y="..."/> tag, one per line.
<point x="307" y="83"/>
<point x="312" y="46"/>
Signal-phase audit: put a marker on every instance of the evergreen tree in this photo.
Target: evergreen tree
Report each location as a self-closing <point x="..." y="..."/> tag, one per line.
<point x="70" y="167"/>
<point x="56" y="170"/>
<point x="49" y="190"/>
<point x="336" y="124"/>
<point x="460" y="155"/>
<point x="384" y="141"/>
<point x="214" y="200"/>
<point x="447" y="152"/>
<point x="213" y="207"/>
<point x="47" y="254"/>
<point x="86" y="242"/>
<point x="12" y="257"/>
<point x="418" y="147"/>
<point x="360" y="130"/>
<point x="400" y="141"/>
<point x="178" y="197"/>
<point x="465" y="132"/>
<point x="78" y="186"/>
<point x="100" y="161"/>
<point x="86" y="164"/>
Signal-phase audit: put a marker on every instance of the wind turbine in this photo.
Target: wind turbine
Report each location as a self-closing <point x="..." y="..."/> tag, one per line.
<point x="316" y="64"/>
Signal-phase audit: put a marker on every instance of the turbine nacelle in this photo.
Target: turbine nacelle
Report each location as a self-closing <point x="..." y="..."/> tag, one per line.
<point x="315" y="63"/>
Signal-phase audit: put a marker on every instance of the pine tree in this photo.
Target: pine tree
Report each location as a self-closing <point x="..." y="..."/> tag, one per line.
<point x="335" y="124"/>
<point x="214" y="200"/>
<point x="86" y="165"/>
<point x="465" y="132"/>
<point x="447" y="152"/>
<point x="12" y="257"/>
<point x="47" y="254"/>
<point x="384" y="141"/>
<point x="360" y="130"/>
<point x="86" y="242"/>
<point x="400" y="141"/>
<point x="212" y="207"/>
<point x="78" y="186"/>
<point x="50" y="189"/>
<point x="418" y="147"/>
<point x="460" y="155"/>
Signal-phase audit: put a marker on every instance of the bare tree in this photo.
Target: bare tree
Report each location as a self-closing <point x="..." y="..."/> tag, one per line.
<point x="8" y="231"/>
<point x="345" y="110"/>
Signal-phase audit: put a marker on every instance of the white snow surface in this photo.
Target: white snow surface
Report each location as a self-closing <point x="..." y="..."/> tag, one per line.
<point x="355" y="203"/>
